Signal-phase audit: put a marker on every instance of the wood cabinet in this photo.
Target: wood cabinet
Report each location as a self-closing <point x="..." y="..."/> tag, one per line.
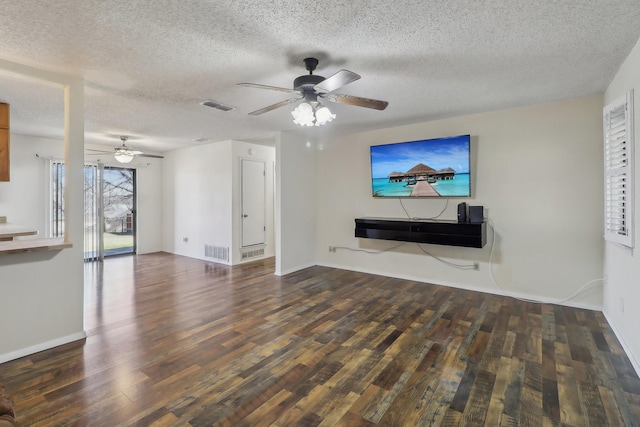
<point x="4" y="142"/>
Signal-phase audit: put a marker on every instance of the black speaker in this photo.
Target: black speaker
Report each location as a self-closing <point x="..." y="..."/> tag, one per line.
<point x="476" y="214"/>
<point x="462" y="212"/>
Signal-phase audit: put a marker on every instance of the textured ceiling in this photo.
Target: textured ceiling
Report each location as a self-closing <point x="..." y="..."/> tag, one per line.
<point x="148" y="64"/>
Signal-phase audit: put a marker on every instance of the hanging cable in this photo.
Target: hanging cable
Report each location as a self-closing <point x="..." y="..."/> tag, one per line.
<point x="449" y="263"/>
<point x="418" y="218"/>
<point x="381" y="251"/>
<point x="580" y="290"/>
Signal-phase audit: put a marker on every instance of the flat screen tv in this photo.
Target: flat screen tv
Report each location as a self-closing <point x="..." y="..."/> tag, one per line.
<point x="426" y="168"/>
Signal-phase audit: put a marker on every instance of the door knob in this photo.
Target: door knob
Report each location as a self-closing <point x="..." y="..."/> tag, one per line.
<point x="245" y="216"/>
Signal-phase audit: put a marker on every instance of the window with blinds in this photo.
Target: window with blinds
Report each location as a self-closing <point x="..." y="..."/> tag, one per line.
<point x="92" y="197"/>
<point x="618" y="171"/>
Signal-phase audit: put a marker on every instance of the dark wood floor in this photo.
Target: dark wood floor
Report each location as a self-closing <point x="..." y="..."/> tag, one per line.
<point x="175" y="341"/>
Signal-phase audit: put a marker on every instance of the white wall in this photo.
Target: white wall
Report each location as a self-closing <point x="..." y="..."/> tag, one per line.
<point x="201" y="198"/>
<point x="42" y="292"/>
<point x="197" y="199"/>
<point x="149" y="206"/>
<point x="44" y="307"/>
<point x="622" y="266"/>
<point x="536" y="170"/>
<point x="295" y="203"/>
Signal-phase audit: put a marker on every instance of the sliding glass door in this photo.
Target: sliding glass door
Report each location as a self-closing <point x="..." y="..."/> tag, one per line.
<point x="119" y="207"/>
<point x="109" y="209"/>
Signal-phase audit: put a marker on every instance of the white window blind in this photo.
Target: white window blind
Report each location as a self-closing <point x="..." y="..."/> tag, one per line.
<point x="618" y="170"/>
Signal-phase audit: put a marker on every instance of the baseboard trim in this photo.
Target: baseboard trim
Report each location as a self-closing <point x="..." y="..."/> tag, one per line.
<point x="294" y="269"/>
<point x="41" y="347"/>
<point x="625" y="347"/>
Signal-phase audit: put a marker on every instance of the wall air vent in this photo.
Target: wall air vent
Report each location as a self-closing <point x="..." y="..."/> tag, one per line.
<point x="221" y="253"/>
<point x="217" y="105"/>
<point x="252" y="253"/>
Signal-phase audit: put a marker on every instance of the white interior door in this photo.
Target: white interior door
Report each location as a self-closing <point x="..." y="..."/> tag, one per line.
<point x="253" y="202"/>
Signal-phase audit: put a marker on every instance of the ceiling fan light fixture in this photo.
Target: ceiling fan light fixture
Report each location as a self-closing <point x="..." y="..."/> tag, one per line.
<point x="123" y="155"/>
<point x="310" y="87"/>
<point x="306" y="114"/>
<point x="324" y="116"/>
<point x="303" y="115"/>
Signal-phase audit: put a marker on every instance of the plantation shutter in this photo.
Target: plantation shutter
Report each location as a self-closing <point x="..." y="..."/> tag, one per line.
<point x="618" y="168"/>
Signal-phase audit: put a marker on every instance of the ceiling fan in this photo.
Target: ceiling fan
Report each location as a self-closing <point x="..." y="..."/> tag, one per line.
<point x="314" y="88"/>
<point x="124" y="154"/>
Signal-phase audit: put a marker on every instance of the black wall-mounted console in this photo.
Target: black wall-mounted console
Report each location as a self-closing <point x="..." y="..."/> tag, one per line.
<point x="451" y="233"/>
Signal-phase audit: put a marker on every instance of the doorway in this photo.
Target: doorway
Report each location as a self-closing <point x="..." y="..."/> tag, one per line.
<point x="253" y="203"/>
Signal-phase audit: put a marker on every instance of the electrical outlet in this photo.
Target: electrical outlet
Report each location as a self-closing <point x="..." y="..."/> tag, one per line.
<point x="332" y="249"/>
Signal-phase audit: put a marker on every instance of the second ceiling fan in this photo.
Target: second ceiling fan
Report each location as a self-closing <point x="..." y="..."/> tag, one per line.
<point x="313" y="88"/>
<point x="124" y="154"/>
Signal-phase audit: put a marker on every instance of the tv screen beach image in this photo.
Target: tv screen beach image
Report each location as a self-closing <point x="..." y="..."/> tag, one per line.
<point x="426" y="168"/>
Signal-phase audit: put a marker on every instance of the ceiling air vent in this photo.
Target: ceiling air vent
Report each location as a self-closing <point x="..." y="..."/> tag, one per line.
<point x="217" y="105"/>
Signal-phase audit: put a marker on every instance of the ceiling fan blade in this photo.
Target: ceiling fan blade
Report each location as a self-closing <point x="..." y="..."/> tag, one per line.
<point x="153" y="156"/>
<point x="355" y="100"/>
<point x="274" y="106"/>
<point x="96" y="151"/>
<point x="336" y="81"/>
<point x="280" y="89"/>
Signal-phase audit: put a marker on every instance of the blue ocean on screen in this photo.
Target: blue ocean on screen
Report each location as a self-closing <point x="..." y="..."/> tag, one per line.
<point x="459" y="186"/>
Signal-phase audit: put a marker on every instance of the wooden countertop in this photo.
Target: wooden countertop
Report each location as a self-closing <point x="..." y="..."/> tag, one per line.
<point x="32" y="245"/>
<point x="8" y="231"/>
<point x="10" y="246"/>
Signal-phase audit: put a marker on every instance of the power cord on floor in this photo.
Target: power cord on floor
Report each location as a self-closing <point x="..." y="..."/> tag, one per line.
<point x="580" y="290"/>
